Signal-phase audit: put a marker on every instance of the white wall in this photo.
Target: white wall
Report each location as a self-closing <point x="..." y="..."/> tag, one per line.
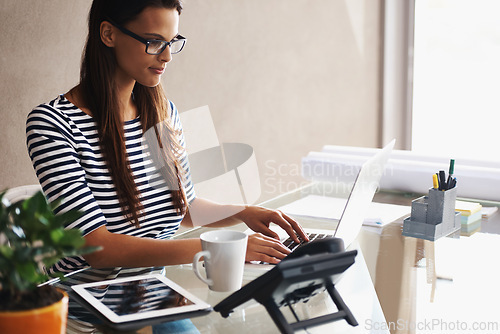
<point x="40" y="48"/>
<point x="285" y="76"/>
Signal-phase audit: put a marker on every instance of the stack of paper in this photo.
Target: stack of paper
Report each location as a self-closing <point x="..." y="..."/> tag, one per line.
<point x="470" y="216"/>
<point x="470" y="211"/>
<point x="489" y="211"/>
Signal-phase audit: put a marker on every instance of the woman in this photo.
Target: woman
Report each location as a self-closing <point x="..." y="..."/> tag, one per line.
<point x="86" y="147"/>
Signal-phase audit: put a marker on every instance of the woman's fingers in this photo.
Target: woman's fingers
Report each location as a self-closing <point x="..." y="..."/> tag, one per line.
<point x="266" y="249"/>
<point x="291" y="227"/>
<point x="259" y="220"/>
<point x="296" y="227"/>
<point x="265" y="230"/>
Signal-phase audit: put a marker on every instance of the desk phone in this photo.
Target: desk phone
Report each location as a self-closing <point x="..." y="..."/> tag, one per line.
<point x="312" y="268"/>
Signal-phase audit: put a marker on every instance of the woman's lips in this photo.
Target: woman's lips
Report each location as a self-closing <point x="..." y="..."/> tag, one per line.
<point x="157" y="70"/>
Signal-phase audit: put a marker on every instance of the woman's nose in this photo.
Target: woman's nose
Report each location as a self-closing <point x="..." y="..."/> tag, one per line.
<point x="165" y="56"/>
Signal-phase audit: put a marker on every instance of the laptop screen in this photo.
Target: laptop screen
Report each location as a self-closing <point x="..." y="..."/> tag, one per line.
<point x="361" y="196"/>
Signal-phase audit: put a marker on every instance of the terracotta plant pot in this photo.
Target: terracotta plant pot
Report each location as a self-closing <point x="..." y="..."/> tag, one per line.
<point x="45" y="320"/>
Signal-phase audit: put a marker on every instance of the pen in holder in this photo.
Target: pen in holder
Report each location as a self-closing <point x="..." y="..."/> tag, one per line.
<point x="433" y="216"/>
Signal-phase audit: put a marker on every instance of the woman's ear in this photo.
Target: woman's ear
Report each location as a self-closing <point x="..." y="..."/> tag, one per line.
<point x="107" y="34"/>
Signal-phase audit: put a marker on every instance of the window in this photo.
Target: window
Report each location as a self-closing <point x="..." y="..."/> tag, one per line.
<point x="456" y="78"/>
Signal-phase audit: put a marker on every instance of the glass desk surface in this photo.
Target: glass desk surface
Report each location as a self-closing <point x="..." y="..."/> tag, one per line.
<point x="398" y="284"/>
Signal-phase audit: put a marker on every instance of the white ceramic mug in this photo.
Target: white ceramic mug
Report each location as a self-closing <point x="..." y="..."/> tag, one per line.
<point x="224" y="255"/>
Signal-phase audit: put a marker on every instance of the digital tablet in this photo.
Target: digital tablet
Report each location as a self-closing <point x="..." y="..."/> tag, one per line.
<point x="138" y="301"/>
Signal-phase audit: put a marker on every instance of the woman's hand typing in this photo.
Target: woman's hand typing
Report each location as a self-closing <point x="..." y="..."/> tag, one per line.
<point x="265" y="249"/>
<point x="258" y="219"/>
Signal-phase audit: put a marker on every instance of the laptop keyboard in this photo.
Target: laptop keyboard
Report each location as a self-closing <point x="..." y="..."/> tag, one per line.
<point x="312" y="236"/>
<point x="290" y="244"/>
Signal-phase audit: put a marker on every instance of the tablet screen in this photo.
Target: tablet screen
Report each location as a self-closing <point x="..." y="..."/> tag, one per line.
<point x="134" y="298"/>
<point x="141" y="296"/>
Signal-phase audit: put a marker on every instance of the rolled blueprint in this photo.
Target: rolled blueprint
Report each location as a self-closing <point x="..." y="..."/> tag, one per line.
<point x="406" y="171"/>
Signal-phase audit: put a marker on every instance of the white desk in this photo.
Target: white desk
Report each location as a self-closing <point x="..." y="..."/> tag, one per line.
<point x="397" y="284"/>
<point x="446" y="286"/>
<point x="355" y="287"/>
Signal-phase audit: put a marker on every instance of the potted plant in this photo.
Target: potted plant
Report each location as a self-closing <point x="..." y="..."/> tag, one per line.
<point x="34" y="239"/>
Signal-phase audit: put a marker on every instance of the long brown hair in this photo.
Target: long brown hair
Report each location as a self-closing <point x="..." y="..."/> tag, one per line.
<point x="99" y="93"/>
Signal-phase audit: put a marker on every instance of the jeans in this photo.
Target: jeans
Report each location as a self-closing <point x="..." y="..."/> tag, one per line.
<point x="184" y="326"/>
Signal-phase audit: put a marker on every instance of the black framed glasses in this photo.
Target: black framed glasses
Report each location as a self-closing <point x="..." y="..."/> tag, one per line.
<point x="155" y="46"/>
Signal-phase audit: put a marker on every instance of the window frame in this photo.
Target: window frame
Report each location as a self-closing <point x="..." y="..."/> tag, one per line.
<point x="399" y="18"/>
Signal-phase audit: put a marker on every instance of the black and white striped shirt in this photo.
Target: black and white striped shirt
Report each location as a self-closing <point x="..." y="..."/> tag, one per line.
<point x="63" y="145"/>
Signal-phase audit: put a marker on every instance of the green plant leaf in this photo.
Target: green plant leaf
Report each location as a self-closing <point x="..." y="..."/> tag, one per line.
<point x="27" y="271"/>
<point x="56" y="235"/>
<point x="17" y="282"/>
<point x="36" y="236"/>
<point x="72" y="238"/>
<point x="6" y="251"/>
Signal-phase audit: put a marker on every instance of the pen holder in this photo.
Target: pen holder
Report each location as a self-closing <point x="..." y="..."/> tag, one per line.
<point x="433" y="216"/>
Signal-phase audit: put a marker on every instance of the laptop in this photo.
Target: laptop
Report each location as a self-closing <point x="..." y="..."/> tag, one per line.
<point x="354" y="212"/>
